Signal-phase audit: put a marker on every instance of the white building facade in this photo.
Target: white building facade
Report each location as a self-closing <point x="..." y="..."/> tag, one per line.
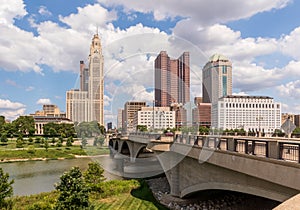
<point x="252" y="113"/>
<point x="155" y="118"/>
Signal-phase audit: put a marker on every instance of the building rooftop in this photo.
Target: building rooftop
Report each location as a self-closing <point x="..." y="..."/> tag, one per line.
<point x="254" y="97"/>
<point x="218" y="57"/>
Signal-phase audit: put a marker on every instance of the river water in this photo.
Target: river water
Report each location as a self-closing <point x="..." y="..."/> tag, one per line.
<point x="32" y="177"/>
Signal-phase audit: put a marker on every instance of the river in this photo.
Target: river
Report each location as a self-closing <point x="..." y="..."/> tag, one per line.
<point x="32" y="177"/>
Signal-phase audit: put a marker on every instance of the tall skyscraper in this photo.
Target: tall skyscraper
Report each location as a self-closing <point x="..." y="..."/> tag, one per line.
<point x="172" y="79"/>
<point x="86" y="104"/>
<point x="216" y="78"/>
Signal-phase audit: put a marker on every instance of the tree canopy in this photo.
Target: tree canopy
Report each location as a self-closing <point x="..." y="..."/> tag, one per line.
<point x="6" y="189"/>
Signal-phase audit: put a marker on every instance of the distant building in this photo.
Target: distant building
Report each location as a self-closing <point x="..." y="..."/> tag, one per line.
<point x="49" y="110"/>
<point x="86" y="104"/>
<point x="119" y="118"/>
<point x="109" y="126"/>
<point x="155" y="118"/>
<point x="40" y="121"/>
<point x="297" y="120"/>
<point x="202" y="115"/>
<point x="172" y="79"/>
<point x="287" y="116"/>
<point x="254" y="113"/>
<point x="77" y="105"/>
<point x="130" y="108"/>
<point x="216" y="78"/>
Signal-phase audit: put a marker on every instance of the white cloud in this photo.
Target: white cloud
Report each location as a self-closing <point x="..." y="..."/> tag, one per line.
<point x="88" y="18"/>
<point x="290" y="89"/>
<point x="290" y="44"/>
<point x="10" y="10"/>
<point x="11" y="110"/>
<point x="7" y="104"/>
<point x="204" y="12"/>
<point x="44" y="11"/>
<point x="43" y="101"/>
<point x="30" y="88"/>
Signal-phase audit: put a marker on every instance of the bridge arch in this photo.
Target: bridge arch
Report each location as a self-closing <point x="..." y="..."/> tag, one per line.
<point x="125" y="148"/>
<point x="278" y="196"/>
<point x="142" y="150"/>
<point x="116" y="145"/>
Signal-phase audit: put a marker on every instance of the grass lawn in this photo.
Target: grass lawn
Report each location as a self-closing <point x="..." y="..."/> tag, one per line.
<point x="116" y="195"/>
<point x="52" y="153"/>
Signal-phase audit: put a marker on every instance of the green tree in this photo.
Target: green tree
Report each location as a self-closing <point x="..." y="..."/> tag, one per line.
<point x="4" y="138"/>
<point x="24" y="125"/>
<point x="46" y="144"/>
<point x="93" y="176"/>
<point x="142" y="128"/>
<point x="73" y="193"/>
<point x="6" y="189"/>
<point x="69" y="142"/>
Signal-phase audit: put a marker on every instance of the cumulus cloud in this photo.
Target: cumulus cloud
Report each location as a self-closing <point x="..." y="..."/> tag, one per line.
<point x="89" y="17"/>
<point x="290" y="89"/>
<point x="11" y="110"/>
<point x="43" y="101"/>
<point x="204" y="12"/>
<point x="290" y="44"/>
<point x="11" y="10"/>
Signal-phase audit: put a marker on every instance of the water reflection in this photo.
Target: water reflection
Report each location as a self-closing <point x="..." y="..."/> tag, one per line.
<point x="33" y="177"/>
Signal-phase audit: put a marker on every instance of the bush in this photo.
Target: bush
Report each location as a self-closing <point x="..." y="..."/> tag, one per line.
<point x="31" y="149"/>
<point x="73" y="193"/>
<point x="30" y="140"/>
<point x="19" y="143"/>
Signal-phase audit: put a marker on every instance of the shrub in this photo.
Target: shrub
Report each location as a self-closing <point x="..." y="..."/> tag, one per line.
<point x="31" y="149"/>
<point x="73" y="193"/>
<point x="6" y="189"/>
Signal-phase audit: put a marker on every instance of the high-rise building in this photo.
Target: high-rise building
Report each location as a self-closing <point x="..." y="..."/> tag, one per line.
<point x="216" y="78"/>
<point x="130" y="108"/>
<point x="120" y="118"/>
<point x="86" y="104"/>
<point x="172" y="79"/>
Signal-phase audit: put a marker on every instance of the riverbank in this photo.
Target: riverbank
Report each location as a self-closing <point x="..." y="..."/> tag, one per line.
<point x="8" y="156"/>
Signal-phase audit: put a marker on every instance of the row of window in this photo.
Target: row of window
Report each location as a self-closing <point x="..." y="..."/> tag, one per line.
<point x="246" y="105"/>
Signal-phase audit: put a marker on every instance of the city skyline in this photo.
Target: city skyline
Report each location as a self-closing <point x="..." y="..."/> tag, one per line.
<point x="42" y="45"/>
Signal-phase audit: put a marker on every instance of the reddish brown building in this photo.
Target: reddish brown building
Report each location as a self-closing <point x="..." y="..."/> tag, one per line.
<point x="202" y="114"/>
<point x="172" y="79"/>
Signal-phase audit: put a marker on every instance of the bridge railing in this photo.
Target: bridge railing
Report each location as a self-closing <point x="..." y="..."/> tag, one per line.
<point x="269" y="148"/>
<point x="252" y="147"/>
<point x="289" y="151"/>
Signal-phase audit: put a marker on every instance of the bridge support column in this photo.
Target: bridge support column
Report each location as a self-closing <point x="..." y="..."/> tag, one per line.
<point x="174" y="181"/>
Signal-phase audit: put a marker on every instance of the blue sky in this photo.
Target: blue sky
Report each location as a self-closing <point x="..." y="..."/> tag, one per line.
<point x="42" y="42"/>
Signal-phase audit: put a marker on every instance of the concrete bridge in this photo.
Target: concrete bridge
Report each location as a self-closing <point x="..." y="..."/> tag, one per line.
<point x="266" y="167"/>
<point x="137" y="160"/>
